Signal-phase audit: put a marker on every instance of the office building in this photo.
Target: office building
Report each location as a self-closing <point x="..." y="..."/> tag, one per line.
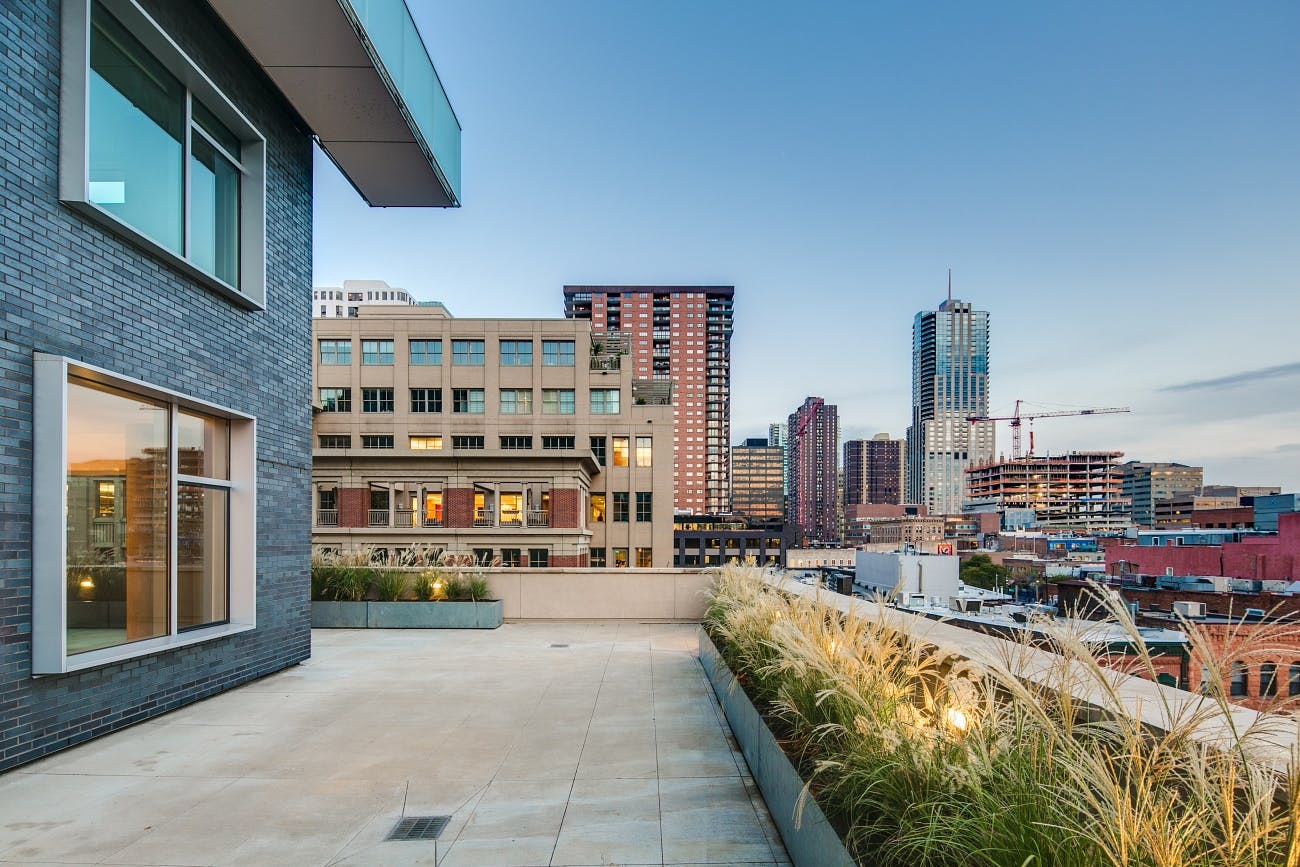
<point x="700" y="541"/>
<point x="1079" y="491"/>
<point x="1269" y="507"/>
<point x="157" y="372"/>
<point x="873" y="471"/>
<point x="812" y="506"/>
<point x="757" y="479"/>
<point x="1143" y="483"/>
<point x="950" y="377"/>
<point x="679" y="334"/>
<point x="515" y="440"/>
<point x="332" y="302"/>
<point x="778" y="435"/>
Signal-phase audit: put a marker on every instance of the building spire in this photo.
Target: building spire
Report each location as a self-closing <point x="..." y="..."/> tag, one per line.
<point x="949" y="285"/>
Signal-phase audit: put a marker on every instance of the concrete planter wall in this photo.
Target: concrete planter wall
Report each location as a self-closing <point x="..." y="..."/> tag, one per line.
<point x="406" y="615"/>
<point x="813" y="842"/>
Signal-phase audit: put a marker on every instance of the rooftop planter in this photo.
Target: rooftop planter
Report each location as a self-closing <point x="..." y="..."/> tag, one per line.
<point x="918" y="755"/>
<point x="349" y="592"/>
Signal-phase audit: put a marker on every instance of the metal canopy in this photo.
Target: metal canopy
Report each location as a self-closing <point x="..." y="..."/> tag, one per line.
<point x="358" y="74"/>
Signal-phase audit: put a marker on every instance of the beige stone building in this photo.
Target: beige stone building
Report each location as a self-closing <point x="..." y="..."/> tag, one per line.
<point x="508" y="438"/>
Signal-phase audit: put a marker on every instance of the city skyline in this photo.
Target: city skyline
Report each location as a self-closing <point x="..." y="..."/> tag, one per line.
<point x="1137" y="200"/>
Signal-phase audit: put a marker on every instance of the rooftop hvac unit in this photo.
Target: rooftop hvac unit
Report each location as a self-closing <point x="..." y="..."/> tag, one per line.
<point x="1254" y="613"/>
<point x="1189" y="609"/>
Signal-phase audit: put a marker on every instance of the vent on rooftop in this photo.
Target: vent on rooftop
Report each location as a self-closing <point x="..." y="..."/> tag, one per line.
<point x="559" y="645"/>
<point x="419" y="828"/>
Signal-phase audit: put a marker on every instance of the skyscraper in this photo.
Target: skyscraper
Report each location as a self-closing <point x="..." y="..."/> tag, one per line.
<point x="778" y="435"/>
<point x="680" y="334"/>
<point x="757" y="479"/>
<point x="950" y="374"/>
<point x="873" y="471"/>
<point x="814" y="467"/>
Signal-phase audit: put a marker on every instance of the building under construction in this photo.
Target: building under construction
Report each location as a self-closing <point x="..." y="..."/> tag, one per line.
<point x="1075" y="491"/>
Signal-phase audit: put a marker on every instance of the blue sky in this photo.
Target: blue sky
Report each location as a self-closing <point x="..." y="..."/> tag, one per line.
<point x="1118" y="183"/>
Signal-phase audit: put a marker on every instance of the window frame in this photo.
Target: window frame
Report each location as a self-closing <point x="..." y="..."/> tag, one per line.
<point x="379" y="353"/>
<point x="49" y="528"/>
<point x="74" y="147"/>
<point x="469" y="401"/>
<point x="426" y="358"/>
<point x="513" y="352"/>
<point x="467" y="352"/>
<point x="381" y="398"/>
<point x="558" y="357"/>
<point x="424" y="400"/>
<point x="602" y="405"/>
<point x="335" y="343"/>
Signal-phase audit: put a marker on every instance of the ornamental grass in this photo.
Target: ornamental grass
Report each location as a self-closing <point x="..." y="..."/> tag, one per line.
<point x="921" y="756"/>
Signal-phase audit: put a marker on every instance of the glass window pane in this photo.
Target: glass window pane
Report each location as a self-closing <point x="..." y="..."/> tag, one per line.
<point x="118" y="479"/>
<point x="202" y="446"/>
<point x="220" y="133"/>
<point x="214" y="212"/>
<point x="202" y="567"/>
<point x="136" y="130"/>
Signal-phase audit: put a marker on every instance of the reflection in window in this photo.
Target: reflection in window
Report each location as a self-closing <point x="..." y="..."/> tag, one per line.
<point x="620" y="558"/>
<point x="620" y="451"/>
<point x="137" y="123"/>
<point x="117" y="573"/>
<point x="597" y="508"/>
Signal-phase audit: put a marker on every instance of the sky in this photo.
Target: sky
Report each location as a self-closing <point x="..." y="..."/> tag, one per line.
<point x="1118" y="183"/>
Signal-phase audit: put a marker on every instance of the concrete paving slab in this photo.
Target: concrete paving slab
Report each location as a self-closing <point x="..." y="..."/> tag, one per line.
<point x="607" y="751"/>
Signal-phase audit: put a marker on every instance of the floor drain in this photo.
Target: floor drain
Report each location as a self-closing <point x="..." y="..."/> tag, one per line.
<point x="419" y="828"/>
<point x="559" y="645"/>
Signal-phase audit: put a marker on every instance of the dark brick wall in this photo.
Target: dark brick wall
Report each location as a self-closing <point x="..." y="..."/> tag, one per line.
<point x="565" y="512"/>
<point x="569" y="561"/>
<point x="354" y="507"/>
<point x="458" y="507"/>
<point x="70" y="288"/>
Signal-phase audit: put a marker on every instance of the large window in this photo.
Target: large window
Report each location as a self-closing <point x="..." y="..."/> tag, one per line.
<point x="516" y="353"/>
<point x="467" y="400"/>
<point x="619" y="510"/>
<point x="644" y="451"/>
<point x="620" y="451"/>
<point x="336" y="400"/>
<point x="557" y="353"/>
<point x="153" y="495"/>
<point x="597" y="508"/>
<point x="516" y="401"/>
<point x="644" y="506"/>
<point x="604" y="401"/>
<point x="426" y="400"/>
<point x="467" y="353"/>
<point x="426" y="353"/>
<point x="377" y="352"/>
<point x="557" y="401"/>
<point x="376" y="400"/>
<point x="149" y="146"/>
<point x="335" y="352"/>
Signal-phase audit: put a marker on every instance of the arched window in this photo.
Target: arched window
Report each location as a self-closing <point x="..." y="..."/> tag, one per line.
<point x="1237" y="682"/>
<point x="1268" y="679"/>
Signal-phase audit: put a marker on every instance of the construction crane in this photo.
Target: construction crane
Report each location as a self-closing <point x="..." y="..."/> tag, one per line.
<point x="1017" y="417"/>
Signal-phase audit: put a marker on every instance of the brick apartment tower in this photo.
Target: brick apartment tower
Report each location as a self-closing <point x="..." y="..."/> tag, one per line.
<point x="873" y="471"/>
<point x="814" y="430"/>
<point x="682" y="334"/>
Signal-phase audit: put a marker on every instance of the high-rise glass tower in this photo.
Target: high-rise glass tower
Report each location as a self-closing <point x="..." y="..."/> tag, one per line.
<point x="950" y="377"/>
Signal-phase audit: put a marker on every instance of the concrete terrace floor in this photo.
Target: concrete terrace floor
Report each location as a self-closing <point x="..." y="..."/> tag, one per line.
<point x="610" y="750"/>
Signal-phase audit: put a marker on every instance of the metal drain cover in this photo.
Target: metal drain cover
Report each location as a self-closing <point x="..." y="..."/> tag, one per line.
<point x="419" y="828"/>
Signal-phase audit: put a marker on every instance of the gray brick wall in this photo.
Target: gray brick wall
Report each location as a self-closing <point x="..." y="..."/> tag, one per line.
<point x="70" y="288"/>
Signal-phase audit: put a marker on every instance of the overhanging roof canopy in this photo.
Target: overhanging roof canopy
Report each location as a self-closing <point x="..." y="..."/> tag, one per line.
<point x="358" y="73"/>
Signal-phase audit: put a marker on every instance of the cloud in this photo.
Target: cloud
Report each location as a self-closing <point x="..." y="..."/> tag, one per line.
<point x="1243" y="378"/>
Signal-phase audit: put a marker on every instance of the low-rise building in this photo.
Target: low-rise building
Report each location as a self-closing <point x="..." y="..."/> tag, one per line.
<point x="923" y="532"/>
<point x="710" y="540"/>
<point x="333" y="302"/>
<point x="514" y="439"/>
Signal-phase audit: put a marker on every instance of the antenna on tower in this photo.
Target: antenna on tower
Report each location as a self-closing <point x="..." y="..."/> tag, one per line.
<point x="950" y="284"/>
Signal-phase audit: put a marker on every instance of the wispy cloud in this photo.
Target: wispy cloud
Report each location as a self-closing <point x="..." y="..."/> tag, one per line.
<point x="1243" y="378"/>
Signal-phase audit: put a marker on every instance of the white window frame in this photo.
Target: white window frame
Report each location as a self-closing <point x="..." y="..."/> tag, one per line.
<point x="74" y="147"/>
<point x="49" y="522"/>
